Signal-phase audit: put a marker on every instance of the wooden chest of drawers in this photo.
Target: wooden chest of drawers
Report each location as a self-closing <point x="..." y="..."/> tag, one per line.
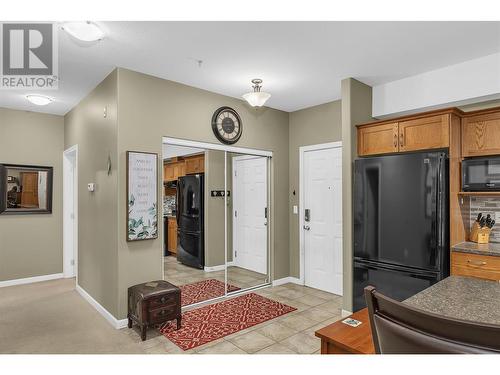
<point x="149" y="306"/>
<point x="475" y="265"/>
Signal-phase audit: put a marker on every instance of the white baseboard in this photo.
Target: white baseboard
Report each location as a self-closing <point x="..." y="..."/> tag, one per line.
<point x="29" y="280"/>
<point x="345" y="313"/>
<point x="118" y="324"/>
<point x="220" y="267"/>
<point x="286" y="280"/>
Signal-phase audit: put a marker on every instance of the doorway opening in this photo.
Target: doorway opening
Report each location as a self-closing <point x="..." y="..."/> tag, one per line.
<point x="320" y="216"/>
<point x="70" y="212"/>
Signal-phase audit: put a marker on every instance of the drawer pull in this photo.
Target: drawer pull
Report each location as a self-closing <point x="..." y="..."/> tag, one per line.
<point x="476" y="263"/>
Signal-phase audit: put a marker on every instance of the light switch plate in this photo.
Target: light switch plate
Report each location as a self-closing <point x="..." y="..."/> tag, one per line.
<point x="497" y="217"/>
<point x="91" y="187"/>
<point x="295" y="209"/>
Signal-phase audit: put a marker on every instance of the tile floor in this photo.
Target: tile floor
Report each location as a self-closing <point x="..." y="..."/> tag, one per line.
<point x="51" y="317"/>
<point x="179" y="274"/>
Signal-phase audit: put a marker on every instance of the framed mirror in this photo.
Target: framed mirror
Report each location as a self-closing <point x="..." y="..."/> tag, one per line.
<point x="25" y="189"/>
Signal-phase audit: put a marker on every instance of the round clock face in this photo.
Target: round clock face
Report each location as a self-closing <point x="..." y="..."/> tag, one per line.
<point x="226" y="125"/>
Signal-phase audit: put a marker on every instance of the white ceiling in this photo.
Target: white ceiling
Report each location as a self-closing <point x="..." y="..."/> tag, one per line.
<point x="301" y="63"/>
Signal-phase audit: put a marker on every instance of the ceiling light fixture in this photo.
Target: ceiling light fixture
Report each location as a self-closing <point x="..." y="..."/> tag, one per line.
<point x="256" y="98"/>
<point x="39" y="99"/>
<point x="85" y="31"/>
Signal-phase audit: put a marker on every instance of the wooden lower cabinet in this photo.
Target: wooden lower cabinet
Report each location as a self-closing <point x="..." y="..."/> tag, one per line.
<point x="481" y="135"/>
<point x="475" y="265"/>
<point x="424" y="133"/>
<point x="172" y="235"/>
<point x="378" y="139"/>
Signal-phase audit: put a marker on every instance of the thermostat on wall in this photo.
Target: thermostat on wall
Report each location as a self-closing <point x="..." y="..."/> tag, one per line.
<point x="91" y="186"/>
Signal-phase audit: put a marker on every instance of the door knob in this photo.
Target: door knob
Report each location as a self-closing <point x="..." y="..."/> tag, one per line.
<point x="307" y="227"/>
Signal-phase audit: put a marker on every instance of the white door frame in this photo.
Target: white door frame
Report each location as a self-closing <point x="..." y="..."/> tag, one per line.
<point x="70" y="252"/>
<point x="302" y="151"/>
<point x="241" y="158"/>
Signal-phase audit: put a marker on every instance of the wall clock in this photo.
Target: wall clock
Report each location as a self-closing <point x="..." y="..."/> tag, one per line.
<point x="226" y="125"/>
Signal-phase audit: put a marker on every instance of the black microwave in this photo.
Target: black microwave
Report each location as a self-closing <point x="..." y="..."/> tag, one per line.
<point x="481" y="174"/>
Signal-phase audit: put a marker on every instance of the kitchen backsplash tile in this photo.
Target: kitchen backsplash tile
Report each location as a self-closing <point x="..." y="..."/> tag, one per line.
<point x="486" y="205"/>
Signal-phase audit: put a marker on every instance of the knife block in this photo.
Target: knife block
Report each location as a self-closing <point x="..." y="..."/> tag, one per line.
<point x="480" y="235"/>
<point x="473" y="232"/>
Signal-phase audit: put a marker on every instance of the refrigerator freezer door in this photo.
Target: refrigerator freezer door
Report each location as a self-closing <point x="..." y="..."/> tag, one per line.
<point x="190" y="249"/>
<point x="396" y="210"/>
<point x="396" y="283"/>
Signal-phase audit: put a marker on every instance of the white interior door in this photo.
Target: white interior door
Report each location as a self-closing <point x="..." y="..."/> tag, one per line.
<point x="322" y="227"/>
<point x="249" y="213"/>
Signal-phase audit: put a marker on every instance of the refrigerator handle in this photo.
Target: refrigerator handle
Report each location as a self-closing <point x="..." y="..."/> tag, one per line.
<point x="441" y="208"/>
<point x="178" y="201"/>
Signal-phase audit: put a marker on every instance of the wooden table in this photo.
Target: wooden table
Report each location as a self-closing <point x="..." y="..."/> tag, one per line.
<point x="339" y="338"/>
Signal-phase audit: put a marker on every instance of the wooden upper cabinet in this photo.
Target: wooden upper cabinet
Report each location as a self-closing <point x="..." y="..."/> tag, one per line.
<point x="481" y="135"/>
<point x="378" y="139"/>
<point x="195" y="164"/>
<point x="424" y="133"/>
<point x="169" y="172"/>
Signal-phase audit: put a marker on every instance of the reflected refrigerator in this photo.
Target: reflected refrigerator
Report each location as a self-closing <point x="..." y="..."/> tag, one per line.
<point x="190" y="221"/>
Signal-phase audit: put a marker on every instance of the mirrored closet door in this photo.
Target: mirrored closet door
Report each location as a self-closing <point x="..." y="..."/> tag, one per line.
<point x="247" y="221"/>
<point x="216" y="221"/>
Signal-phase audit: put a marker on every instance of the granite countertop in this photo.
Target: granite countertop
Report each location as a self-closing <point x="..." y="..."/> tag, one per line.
<point x="461" y="297"/>
<point x="475" y="248"/>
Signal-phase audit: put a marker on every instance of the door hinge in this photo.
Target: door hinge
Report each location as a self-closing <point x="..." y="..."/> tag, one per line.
<point x="72" y="262"/>
<point x="235" y="254"/>
<point x="235" y="213"/>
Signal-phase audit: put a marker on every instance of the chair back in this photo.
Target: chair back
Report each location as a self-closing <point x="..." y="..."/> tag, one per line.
<point x="398" y="328"/>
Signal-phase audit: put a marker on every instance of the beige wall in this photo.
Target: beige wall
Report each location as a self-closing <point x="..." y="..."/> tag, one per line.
<point x="314" y="125"/>
<point x="356" y="109"/>
<point x="96" y="137"/>
<point x="214" y="209"/>
<point x="150" y="108"/>
<point x="31" y="245"/>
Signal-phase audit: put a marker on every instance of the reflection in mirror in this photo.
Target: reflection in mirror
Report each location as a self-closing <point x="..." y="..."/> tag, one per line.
<point x="247" y="220"/>
<point x="193" y="222"/>
<point x="27" y="189"/>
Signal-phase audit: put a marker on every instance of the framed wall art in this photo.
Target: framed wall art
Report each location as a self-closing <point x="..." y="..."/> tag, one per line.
<point x="142" y="196"/>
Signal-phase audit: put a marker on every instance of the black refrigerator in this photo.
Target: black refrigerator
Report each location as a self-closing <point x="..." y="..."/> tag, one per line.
<point x="401" y="233"/>
<point x="190" y="206"/>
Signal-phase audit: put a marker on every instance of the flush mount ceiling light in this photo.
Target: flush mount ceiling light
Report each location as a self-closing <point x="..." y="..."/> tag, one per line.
<point x="84" y="31"/>
<point x="39" y="99"/>
<point x="256" y="98"/>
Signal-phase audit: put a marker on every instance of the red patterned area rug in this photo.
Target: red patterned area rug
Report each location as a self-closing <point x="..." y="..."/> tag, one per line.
<point x="209" y="323"/>
<point x="203" y="291"/>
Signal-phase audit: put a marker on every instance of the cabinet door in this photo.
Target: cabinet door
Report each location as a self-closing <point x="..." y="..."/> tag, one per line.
<point x="195" y="165"/>
<point x="172" y="235"/>
<point x="481" y="135"/>
<point x="378" y="139"/>
<point x="168" y="172"/>
<point x="424" y="133"/>
<point x="181" y="171"/>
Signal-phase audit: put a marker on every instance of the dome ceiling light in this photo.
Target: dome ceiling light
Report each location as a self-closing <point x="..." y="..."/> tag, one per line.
<point x="84" y="31"/>
<point x="39" y="99"/>
<point x="257" y="98"/>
